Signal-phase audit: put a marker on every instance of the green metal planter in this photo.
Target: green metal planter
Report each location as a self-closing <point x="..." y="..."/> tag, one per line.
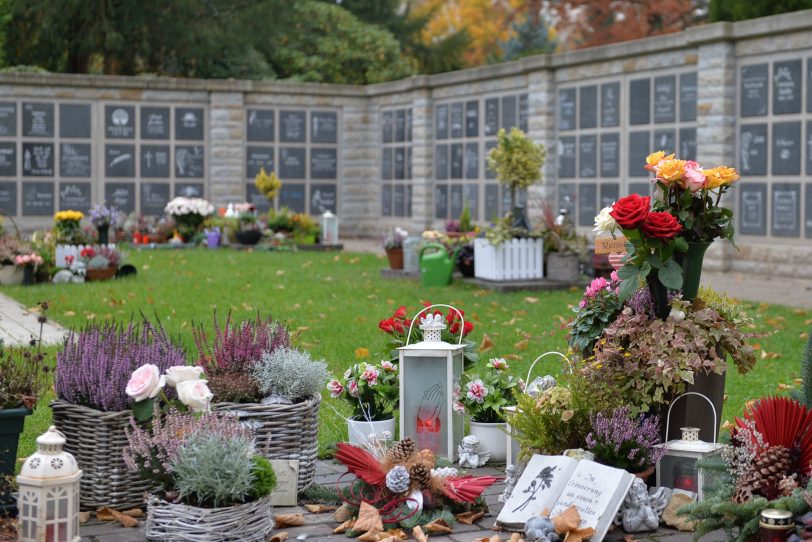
<point x="12" y="421"/>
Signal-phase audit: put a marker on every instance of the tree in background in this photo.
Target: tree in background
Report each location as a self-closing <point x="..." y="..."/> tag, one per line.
<point x="739" y="10"/>
<point x="530" y="36"/>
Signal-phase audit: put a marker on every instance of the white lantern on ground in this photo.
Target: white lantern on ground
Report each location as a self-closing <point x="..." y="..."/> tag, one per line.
<point x="430" y="372"/>
<point x="677" y="469"/>
<point x="329" y="228"/>
<point x="48" y="502"/>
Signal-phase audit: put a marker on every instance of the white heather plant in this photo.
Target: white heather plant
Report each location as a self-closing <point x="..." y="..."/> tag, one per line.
<point x="290" y="373"/>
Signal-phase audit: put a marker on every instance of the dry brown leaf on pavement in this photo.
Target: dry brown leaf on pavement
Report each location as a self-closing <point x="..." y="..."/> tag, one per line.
<point x="346" y="526"/>
<point x="438" y="526"/>
<point x="320" y="508"/>
<point x="369" y="519"/>
<point x="343" y="513"/>
<point x="288" y="520"/>
<point x="468" y="518"/>
<point x="279" y="537"/>
<point x="419" y="535"/>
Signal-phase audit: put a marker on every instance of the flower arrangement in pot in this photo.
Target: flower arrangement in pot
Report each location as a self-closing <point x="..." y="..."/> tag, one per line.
<point x="188" y="214"/>
<point x="372" y="393"/>
<point x="101" y="262"/>
<point x="68" y="228"/>
<point x="619" y="440"/>
<point x="29" y="263"/>
<point x="248" y="227"/>
<point x="10" y="248"/>
<point x="305" y="229"/>
<point x="103" y="218"/>
<point x="393" y="245"/>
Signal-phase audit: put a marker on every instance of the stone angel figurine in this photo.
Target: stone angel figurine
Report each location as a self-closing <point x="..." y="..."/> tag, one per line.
<point x="642" y="509"/>
<point x="472" y="455"/>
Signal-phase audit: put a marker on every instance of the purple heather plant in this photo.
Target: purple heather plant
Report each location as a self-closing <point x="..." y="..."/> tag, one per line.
<point x="625" y="442"/>
<point x="95" y="365"/>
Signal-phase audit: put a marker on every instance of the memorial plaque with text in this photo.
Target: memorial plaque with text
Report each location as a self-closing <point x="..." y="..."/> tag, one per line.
<point x="610" y="104"/>
<point x="441" y="162"/>
<point x="441" y="202"/>
<point x="640" y="101"/>
<point x="754" y="90"/>
<point x="524" y="112"/>
<point x="386" y="200"/>
<point x="472" y="160"/>
<point x="256" y="198"/>
<point x="74" y="160"/>
<point x="587" y="204"/>
<point x="472" y="118"/>
<point x="189" y="161"/>
<point x="190" y="190"/>
<point x="38" y="160"/>
<point x="491" y="116"/>
<point x="566" y="157"/>
<point x="323" y="163"/>
<point x="665" y="140"/>
<point x="155" y="123"/>
<point x="409" y="125"/>
<point x="8" y="197"/>
<point x="456" y="161"/>
<point x="489" y="173"/>
<point x="8" y="120"/>
<point x="38" y="121"/>
<point x="76" y="197"/>
<point x="456" y="121"/>
<point x="38" y="198"/>
<point x="261" y="125"/>
<point x="400" y="163"/>
<point x="441" y="122"/>
<point x="753" y="149"/>
<point x="455" y="201"/>
<point x="665" y="98"/>
<point x="399" y="200"/>
<point x="491" y="202"/>
<point x="471" y="195"/>
<point x="292" y="126"/>
<point x="687" y="143"/>
<point x="566" y="109"/>
<point x="155" y="161"/>
<point x="644" y="189"/>
<point x="8" y="159"/>
<point x="292" y="163"/>
<point x="588" y="156"/>
<point x="119" y="121"/>
<point x="386" y="163"/>
<point x="400" y="125"/>
<point x="752" y="208"/>
<point x="120" y="195"/>
<point x="154" y="197"/>
<point x="588" y="102"/>
<point x="639" y="149"/>
<point x="408" y="162"/>
<point x="787" y="84"/>
<point x="74" y="120"/>
<point x="786" y="209"/>
<point x="687" y="96"/>
<point x="786" y="152"/>
<point x="257" y="158"/>
<point x="292" y="196"/>
<point x="323" y="198"/>
<point x="567" y="196"/>
<point x="508" y="119"/>
<point x="808" y="210"/>
<point x="610" y="155"/>
<point x="388" y="126"/>
<point x="609" y="193"/>
<point x="324" y="127"/>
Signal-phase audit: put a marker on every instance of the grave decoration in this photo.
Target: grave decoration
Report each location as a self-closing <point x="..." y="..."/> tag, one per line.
<point x="103" y="218"/>
<point x="188" y="214"/>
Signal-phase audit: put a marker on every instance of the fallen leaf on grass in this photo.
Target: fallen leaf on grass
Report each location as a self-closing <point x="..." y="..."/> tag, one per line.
<point x="288" y="520"/>
<point x="784" y="386"/>
<point x="468" y="518"/>
<point x="70" y="313"/>
<point x="769" y="355"/>
<point x="531" y="299"/>
<point x="419" y="535"/>
<point x="486" y="344"/>
<point x="521" y="345"/>
<point x="279" y="537"/>
<point x="346" y="526"/>
<point x="320" y="508"/>
<point x="439" y="526"/>
<point x="343" y="513"/>
<point x="361" y="353"/>
<point x="369" y="519"/>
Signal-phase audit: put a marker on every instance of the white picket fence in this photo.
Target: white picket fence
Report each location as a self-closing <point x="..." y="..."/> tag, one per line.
<point x="72" y="250"/>
<point x="517" y="259"/>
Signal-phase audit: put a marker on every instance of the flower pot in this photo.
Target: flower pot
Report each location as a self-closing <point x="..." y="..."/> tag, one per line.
<point x="10" y="275"/>
<point x="694" y="411"/>
<point x="213" y="239"/>
<point x="12" y="421"/>
<point x="492" y="438"/>
<point x="248" y="237"/>
<point x="105" y="273"/>
<point x="659" y="296"/>
<point x="562" y="267"/>
<point x="28" y="275"/>
<point x="395" y="256"/>
<point x="644" y="474"/>
<point x="692" y="269"/>
<point x="103" y="237"/>
<point x="359" y="430"/>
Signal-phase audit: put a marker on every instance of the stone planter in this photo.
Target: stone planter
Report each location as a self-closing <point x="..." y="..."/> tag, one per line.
<point x="492" y="437"/>
<point x="517" y="259"/>
<point x="11" y="275"/>
<point x="563" y="267"/>
<point x="359" y="430"/>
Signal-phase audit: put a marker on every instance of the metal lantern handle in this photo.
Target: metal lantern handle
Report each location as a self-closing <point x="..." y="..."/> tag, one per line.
<point x="713" y="409"/>
<point x="416" y="316"/>
<point x="532" y="365"/>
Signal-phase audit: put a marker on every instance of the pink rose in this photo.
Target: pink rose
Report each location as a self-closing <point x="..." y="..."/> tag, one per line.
<point x="370" y="375"/>
<point x="335" y="388"/>
<point x="145" y="383"/>
<point x="477" y="391"/>
<point x="694" y="179"/>
<point x="195" y="394"/>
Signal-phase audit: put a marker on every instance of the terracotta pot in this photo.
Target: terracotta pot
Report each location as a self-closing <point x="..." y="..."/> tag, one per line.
<point x="101" y="274"/>
<point x="395" y="256"/>
<point x="644" y="474"/>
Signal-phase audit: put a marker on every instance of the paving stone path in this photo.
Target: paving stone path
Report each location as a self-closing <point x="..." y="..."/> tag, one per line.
<point x="18" y="324"/>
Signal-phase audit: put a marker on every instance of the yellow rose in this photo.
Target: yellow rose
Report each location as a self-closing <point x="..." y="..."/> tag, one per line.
<point x="671" y="170"/>
<point x="720" y="176"/>
<point x="656" y="157"/>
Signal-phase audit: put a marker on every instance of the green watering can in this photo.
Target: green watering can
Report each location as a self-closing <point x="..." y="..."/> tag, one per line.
<point x="436" y="266"/>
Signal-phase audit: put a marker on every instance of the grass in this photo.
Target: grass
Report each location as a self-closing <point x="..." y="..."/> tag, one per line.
<point x="334" y="302"/>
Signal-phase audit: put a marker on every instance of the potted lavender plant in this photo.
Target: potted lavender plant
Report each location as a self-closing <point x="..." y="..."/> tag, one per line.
<point x="103" y="218"/>
<point x="619" y="440"/>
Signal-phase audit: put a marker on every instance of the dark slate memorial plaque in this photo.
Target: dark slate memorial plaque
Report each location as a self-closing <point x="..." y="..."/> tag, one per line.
<point x="687" y="143"/>
<point x="386" y="163"/>
<point x="587" y="203"/>
<point x="189" y="161"/>
<point x="665" y="98"/>
<point x="120" y="195"/>
<point x="38" y="198"/>
<point x="809" y="147"/>
<point x="471" y="195"/>
<point x="491" y="116"/>
<point x="610" y="105"/>
<point x="787" y="84"/>
<point x="399" y="200"/>
<point x="387" y="126"/>
<point x="455" y="201"/>
<point x="119" y="121"/>
<point x="322" y="198"/>
<point x="323" y="163"/>
<point x="324" y="127"/>
<point x="38" y="121"/>
<point x="610" y="155"/>
<point x="566" y="109"/>
<point x="472" y="160"/>
<point x="441" y="122"/>
<point x="291" y="163"/>
<point x="489" y="173"/>
<point x="74" y="160"/>
<point x="753" y="149"/>
<point x="808" y="210"/>
<point x="752" y="208"/>
<point x="640" y="101"/>
<point x="638" y="151"/>
<point x="808" y="85"/>
<point x="644" y="189"/>
<point x="155" y="123"/>
<point x="472" y="118"/>
<point x="261" y="125"/>
<point x="155" y="161"/>
<point x="456" y="122"/>
<point x="588" y="102"/>
<point x="292" y="196"/>
<point x="8" y="197"/>
<point x="8" y="119"/>
<point x="786" y="209"/>
<point x="665" y="140"/>
<point x="400" y="163"/>
<point x="610" y="193"/>
<point x="786" y="152"/>
<point x="588" y="156"/>
<point x="491" y="202"/>
<point x="8" y="159"/>
<point x="74" y="120"/>
<point x="292" y="126"/>
<point x="409" y="125"/>
<point x="456" y="161"/>
<point x="257" y="158"/>
<point x="190" y="190"/>
<point x="400" y="125"/>
<point x="440" y="202"/>
<point x="256" y="198"/>
<point x="75" y="196"/>
<point x="687" y="96"/>
<point x="441" y="162"/>
<point x="408" y="162"/>
<point x="386" y="200"/>
<point x="524" y="112"/>
<point x="566" y="157"/>
<point x="508" y="120"/>
<point x="754" y="90"/>
<point x="567" y="196"/>
<point x="154" y="197"/>
<point x="38" y="159"/>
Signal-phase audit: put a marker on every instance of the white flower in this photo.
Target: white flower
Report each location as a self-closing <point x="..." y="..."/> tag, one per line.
<point x="185" y="206"/>
<point x="195" y="394"/>
<point x="182" y="373"/>
<point x="677" y="315"/>
<point x="604" y="222"/>
<point x="145" y="383"/>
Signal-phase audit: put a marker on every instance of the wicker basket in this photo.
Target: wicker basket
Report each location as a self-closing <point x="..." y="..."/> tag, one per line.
<point x="96" y="439"/>
<point x="249" y="522"/>
<point x="291" y="431"/>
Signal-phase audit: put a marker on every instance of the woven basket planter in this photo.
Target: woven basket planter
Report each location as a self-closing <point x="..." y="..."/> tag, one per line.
<point x="96" y="439"/>
<point x="290" y="431"/>
<point x="249" y="522"/>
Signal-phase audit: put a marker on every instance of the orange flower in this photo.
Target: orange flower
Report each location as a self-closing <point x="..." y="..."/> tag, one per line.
<point x="720" y="176"/>
<point x="655" y="158"/>
<point x="670" y="170"/>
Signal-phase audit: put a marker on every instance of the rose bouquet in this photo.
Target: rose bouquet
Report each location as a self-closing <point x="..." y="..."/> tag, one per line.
<point x="32" y="259"/>
<point x="189" y="214"/>
<point x="486" y="393"/>
<point x="147" y="384"/>
<point x="371" y="390"/>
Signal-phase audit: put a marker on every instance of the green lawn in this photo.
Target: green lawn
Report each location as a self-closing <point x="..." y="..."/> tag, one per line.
<point x="335" y="302"/>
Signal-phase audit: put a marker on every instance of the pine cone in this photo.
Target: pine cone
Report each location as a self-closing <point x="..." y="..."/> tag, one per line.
<point x="397" y="479"/>
<point x="742" y="494"/>
<point x="769" y="469"/>
<point x="420" y="474"/>
<point x="402" y="450"/>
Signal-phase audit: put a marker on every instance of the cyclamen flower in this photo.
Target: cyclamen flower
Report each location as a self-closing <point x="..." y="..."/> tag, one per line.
<point x="477" y="391"/>
<point x="614" y="277"/>
<point x="370" y="375"/>
<point x="499" y="363"/>
<point x="389" y="367"/>
<point x="596" y="286"/>
<point x="352" y="388"/>
<point x="335" y="388"/>
<point x="458" y="407"/>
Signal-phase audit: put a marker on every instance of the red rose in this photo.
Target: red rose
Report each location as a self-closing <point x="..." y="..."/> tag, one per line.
<point x="454" y="328"/>
<point x="453" y="315"/>
<point x="400" y="314"/>
<point x="631" y="211"/>
<point x="661" y="226"/>
<point x="387" y="325"/>
<point x="467" y="328"/>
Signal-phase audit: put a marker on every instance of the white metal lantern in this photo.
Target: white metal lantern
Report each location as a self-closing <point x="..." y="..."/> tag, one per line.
<point x="329" y="228"/>
<point x="677" y="469"/>
<point x="48" y="502"/>
<point x="430" y="372"/>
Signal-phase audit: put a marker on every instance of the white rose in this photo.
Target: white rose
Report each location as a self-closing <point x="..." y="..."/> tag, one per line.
<point x="604" y="222"/>
<point x="195" y="394"/>
<point x="182" y="373"/>
<point x="145" y="383"/>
